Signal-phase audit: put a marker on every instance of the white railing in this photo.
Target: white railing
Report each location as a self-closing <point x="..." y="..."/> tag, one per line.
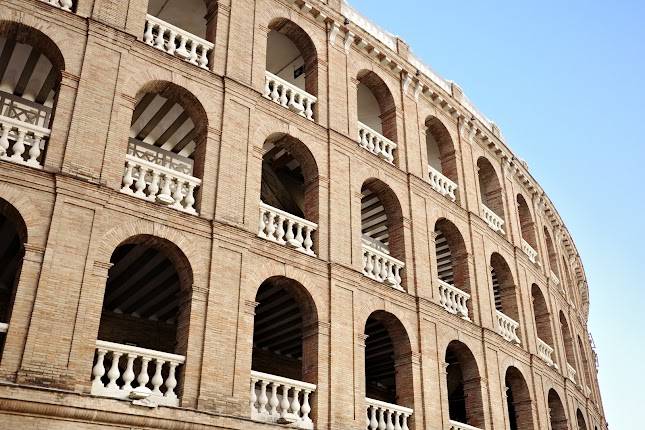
<point x="571" y="373"/>
<point x="386" y="416"/>
<point x="159" y="184"/>
<point x="453" y="299"/>
<point x="555" y="279"/>
<point x="381" y="267"/>
<point x="529" y="251"/>
<point x="130" y="369"/>
<point x="376" y="143"/>
<point x="62" y="4"/>
<point x="16" y="136"/>
<point x="289" y="95"/>
<point x="507" y="327"/>
<point x="281" y="227"/>
<point x="494" y="221"/>
<point x="177" y="42"/>
<point x="442" y="184"/>
<point x="456" y="425"/>
<point x="275" y="399"/>
<point x="4" y="327"/>
<point x="545" y="352"/>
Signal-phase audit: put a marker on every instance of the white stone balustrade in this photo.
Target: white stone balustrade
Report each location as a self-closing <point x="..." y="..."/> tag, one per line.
<point x="281" y="227"/>
<point x="555" y="279"/>
<point x="456" y="425"/>
<point x="453" y="299"/>
<point x="120" y="369"/>
<point x="442" y="184"/>
<point x="386" y="416"/>
<point x="494" y="221"/>
<point x="376" y="143"/>
<point x="21" y="142"/>
<point x="571" y="373"/>
<point x="159" y="184"/>
<point x="4" y="327"/>
<point x="381" y="267"/>
<point x="275" y="399"/>
<point x="177" y="42"/>
<point x="507" y="327"/>
<point x="62" y="4"/>
<point x="545" y="352"/>
<point x="529" y="251"/>
<point x="289" y="95"/>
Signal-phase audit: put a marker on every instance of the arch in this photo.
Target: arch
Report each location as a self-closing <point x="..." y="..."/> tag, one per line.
<point x="452" y="257"/>
<point x="557" y="413"/>
<point x="527" y="225"/>
<point x="569" y="282"/>
<point x="504" y="290"/>
<point x="440" y="148"/>
<point x="490" y="187"/>
<point x="580" y="419"/>
<point x="198" y="22"/>
<point x="375" y="104"/>
<point x="463" y="383"/>
<point x="542" y="316"/>
<point x="585" y="364"/>
<point x="553" y="257"/>
<point x="569" y="349"/>
<point x="518" y="400"/>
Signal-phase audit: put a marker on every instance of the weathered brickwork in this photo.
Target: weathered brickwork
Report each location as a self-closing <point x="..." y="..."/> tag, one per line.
<point x="75" y="217"/>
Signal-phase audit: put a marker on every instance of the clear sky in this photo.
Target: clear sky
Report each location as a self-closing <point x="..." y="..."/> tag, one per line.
<point x="564" y="80"/>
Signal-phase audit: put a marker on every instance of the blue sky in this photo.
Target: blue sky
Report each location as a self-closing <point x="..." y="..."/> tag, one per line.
<point x="564" y="81"/>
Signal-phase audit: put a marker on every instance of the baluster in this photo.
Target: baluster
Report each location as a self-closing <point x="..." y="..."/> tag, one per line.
<point x="295" y="403"/>
<point x="397" y="274"/>
<point x="66" y="5"/>
<point x="181" y="50"/>
<point x="34" y="151"/>
<point x="274" y="402"/>
<point x="308" y="241"/>
<point x="263" y="399"/>
<point x="300" y="239"/>
<point x="370" y="142"/>
<point x="170" y="45"/>
<point x="203" y="59"/>
<point x="140" y="185"/>
<point x="271" y="226"/>
<point x="171" y="381"/>
<point x="397" y="420"/>
<point x="368" y="267"/>
<point x="178" y="194"/>
<point x="159" y="41"/>
<point x="405" y="422"/>
<point x="262" y="224"/>
<point x="280" y="232"/>
<point x="127" y="178"/>
<point x="290" y="238"/>
<point x="381" y="419"/>
<point x="306" y="407"/>
<point x="143" y="377"/>
<point x="153" y="188"/>
<point x="190" y="199"/>
<point x="157" y="380"/>
<point x="148" y="37"/>
<point x="128" y="375"/>
<point x="164" y="196"/>
<point x="293" y="102"/>
<point x="193" y="52"/>
<point x="309" y="113"/>
<point x="267" y="88"/>
<point x="284" y="403"/>
<point x="113" y="373"/>
<point x="254" y="396"/>
<point x="275" y="94"/>
<point x="98" y="370"/>
<point x="385" y="269"/>
<point x="284" y="100"/>
<point x="388" y="423"/>
<point x="373" y="420"/>
<point x="4" y="140"/>
<point x="19" y="146"/>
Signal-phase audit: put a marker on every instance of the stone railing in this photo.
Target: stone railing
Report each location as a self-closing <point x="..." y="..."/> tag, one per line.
<point x="456" y="425"/>
<point x="571" y="373"/>
<point x="554" y="278"/>
<point x="156" y="183"/>
<point x="21" y="142"/>
<point x="376" y="143"/>
<point x="4" y="327"/>
<point x="545" y="352"/>
<point x="453" y="299"/>
<point x="275" y="399"/>
<point x="177" y="42"/>
<point x="62" y="4"/>
<point x="442" y="184"/>
<point x="381" y="267"/>
<point x="135" y="373"/>
<point x="289" y="95"/>
<point x="507" y="327"/>
<point x="529" y="251"/>
<point x="281" y="227"/>
<point x="161" y="157"/>
<point x="382" y="415"/>
<point x="494" y="221"/>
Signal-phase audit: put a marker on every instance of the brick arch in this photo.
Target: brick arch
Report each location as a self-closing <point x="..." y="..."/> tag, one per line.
<point x="580" y="419"/>
<point x="490" y="187"/>
<point x="507" y="285"/>
<point x="37" y="34"/>
<point x="552" y="254"/>
<point x="519" y="402"/>
<point x="459" y="255"/>
<point x="527" y="223"/>
<point x="569" y="344"/>
<point x="437" y="130"/>
<point x="30" y="216"/>
<point x="557" y="411"/>
<point x="384" y="97"/>
<point x="463" y="377"/>
<point x="542" y="315"/>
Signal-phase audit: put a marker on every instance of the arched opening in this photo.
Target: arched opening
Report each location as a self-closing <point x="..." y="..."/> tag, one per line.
<point x="143" y="332"/>
<point x="183" y="28"/>
<point x="291" y="68"/>
<point x="452" y="269"/>
<point x="568" y="348"/>
<point x="388" y="368"/>
<point x="165" y="156"/>
<point x="13" y="236"/>
<point x="289" y="194"/>
<point x="465" y="402"/>
<point x="518" y="401"/>
<point x="585" y="365"/>
<point x="569" y="281"/>
<point x="376" y="116"/>
<point x="285" y="352"/>
<point x="491" y="195"/>
<point x="442" y="161"/>
<point x="505" y="298"/>
<point x="557" y="415"/>
<point x="382" y="234"/>
<point x="580" y="418"/>
<point x="553" y="257"/>
<point x="30" y="74"/>
<point x="542" y="325"/>
<point x="527" y="229"/>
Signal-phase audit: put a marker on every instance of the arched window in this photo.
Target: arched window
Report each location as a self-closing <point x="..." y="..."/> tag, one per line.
<point x="376" y="116"/>
<point x="442" y="161"/>
<point x="585" y="365"/>
<point x="491" y="195"/>
<point x="143" y="333"/>
<point x="382" y="234"/>
<point x="388" y="371"/>
<point x="183" y="28"/>
<point x="452" y="269"/>
<point x="291" y="68"/>
<point x="13" y="236"/>
<point x="580" y="418"/>
<point x="289" y="194"/>
<point x="527" y="228"/>
<point x="30" y="76"/>
<point x="505" y="299"/>
<point x="568" y="348"/>
<point x="553" y="257"/>
<point x="165" y="158"/>
<point x="557" y="415"/>
<point x="518" y="401"/>
<point x="542" y="325"/>
<point x="465" y="403"/>
<point x="285" y="350"/>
